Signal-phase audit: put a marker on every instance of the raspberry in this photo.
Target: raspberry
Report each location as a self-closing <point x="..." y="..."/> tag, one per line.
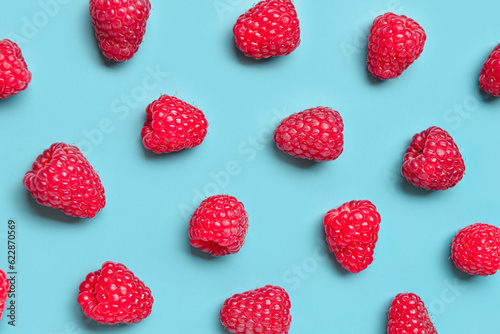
<point x="63" y="179"/>
<point x="408" y="315"/>
<point x="172" y="125"/>
<point x="351" y="233"/>
<point x="395" y="42"/>
<point x="314" y="134"/>
<point x="119" y="26"/>
<point x="14" y="73"/>
<point x="4" y="291"/>
<point x="489" y="77"/>
<point x="113" y="295"/>
<point x="269" y="29"/>
<point x="264" y="310"/>
<point x="219" y="225"/>
<point x="433" y="161"/>
<point x="476" y="249"/>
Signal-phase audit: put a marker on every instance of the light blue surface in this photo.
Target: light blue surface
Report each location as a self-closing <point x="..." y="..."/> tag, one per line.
<point x="189" y="47"/>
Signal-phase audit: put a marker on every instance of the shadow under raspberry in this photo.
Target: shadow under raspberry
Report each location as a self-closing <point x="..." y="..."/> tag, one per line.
<point x="200" y="254"/>
<point x="410" y="189"/>
<point x="11" y="100"/>
<point x="94" y="326"/>
<point x="244" y="60"/>
<point x="150" y="155"/>
<point x="485" y="97"/>
<point x="297" y="162"/>
<point x="49" y="213"/>
<point x="371" y="79"/>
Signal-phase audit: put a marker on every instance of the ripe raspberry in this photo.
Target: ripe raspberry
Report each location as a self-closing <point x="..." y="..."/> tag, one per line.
<point x="4" y="291"/>
<point x="113" y="295"/>
<point x="263" y="310"/>
<point x="172" y="125"/>
<point x="489" y="77"/>
<point x="314" y="134"/>
<point x="395" y="42"/>
<point x="269" y="29"/>
<point x="351" y="233"/>
<point x="408" y="315"/>
<point x="119" y="26"/>
<point x="63" y="179"/>
<point x="433" y="161"/>
<point x="476" y="249"/>
<point x="219" y="225"/>
<point x="14" y="73"/>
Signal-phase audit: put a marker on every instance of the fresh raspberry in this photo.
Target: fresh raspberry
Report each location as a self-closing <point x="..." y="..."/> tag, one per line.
<point x="219" y="225"/>
<point x="172" y="125"/>
<point x="14" y="73"/>
<point x="63" y="179"/>
<point x="433" y="161"/>
<point x="314" y="134"/>
<point x="476" y="249"/>
<point x="4" y="291"/>
<point x="351" y="233"/>
<point x="119" y="26"/>
<point x="269" y="29"/>
<point x="113" y="294"/>
<point x="395" y="42"/>
<point x="489" y="77"/>
<point x="408" y="315"/>
<point x="264" y="310"/>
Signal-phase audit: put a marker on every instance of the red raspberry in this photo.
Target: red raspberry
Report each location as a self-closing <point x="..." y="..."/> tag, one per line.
<point x="395" y="42"/>
<point x="113" y="295"/>
<point x="4" y="291"/>
<point x="264" y="310"/>
<point x="119" y="26"/>
<point x="408" y="315"/>
<point x="14" y="73"/>
<point x="489" y="77"/>
<point x="269" y="29"/>
<point x="314" y="134"/>
<point x="219" y="225"/>
<point x="476" y="249"/>
<point x="173" y="125"/>
<point x="351" y="233"/>
<point x="433" y="161"/>
<point x="63" y="179"/>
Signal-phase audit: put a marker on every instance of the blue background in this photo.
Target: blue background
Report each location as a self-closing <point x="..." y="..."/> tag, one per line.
<point x="77" y="96"/>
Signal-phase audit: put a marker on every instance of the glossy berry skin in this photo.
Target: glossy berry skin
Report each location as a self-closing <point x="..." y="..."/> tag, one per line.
<point x="394" y="43"/>
<point x="62" y="178"/>
<point x="408" y="315"/>
<point x="352" y="232"/>
<point x="269" y="29"/>
<point x="173" y="125"/>
<point x="119" y="26"/>
<point x="14" y="73"/>
<point x="476" y="249"/>
<point x="4" y="291"/>
<point x="113" y="295"/>
<point x="489" y="77"/>
<point x="264" y="310"/>
<point x="314" y="134"/>
<point x="219" y="225"/>
<point x="432" y="160"/>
